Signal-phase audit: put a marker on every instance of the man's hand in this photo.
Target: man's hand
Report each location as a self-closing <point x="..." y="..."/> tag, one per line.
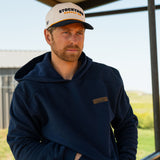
<point x="78" y="156"/>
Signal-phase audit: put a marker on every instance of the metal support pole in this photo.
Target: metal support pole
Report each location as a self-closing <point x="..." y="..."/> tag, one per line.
<point x="120" y="11"/>
<point x="154" y="70"/>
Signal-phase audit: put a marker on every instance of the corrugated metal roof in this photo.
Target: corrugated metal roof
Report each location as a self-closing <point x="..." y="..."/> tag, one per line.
<point x="17" y="58"/>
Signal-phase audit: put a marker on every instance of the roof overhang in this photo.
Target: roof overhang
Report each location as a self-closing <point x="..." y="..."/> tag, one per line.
<point x="85" y="4"/>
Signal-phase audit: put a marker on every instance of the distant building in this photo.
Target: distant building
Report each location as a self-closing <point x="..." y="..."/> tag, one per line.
<point x="12" y="60"/>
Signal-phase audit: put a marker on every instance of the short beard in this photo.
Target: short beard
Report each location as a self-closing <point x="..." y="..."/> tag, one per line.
<point x="62" y="55"/>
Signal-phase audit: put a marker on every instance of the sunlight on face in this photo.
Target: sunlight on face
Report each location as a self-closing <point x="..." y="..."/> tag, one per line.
<point x="67" y="41"/>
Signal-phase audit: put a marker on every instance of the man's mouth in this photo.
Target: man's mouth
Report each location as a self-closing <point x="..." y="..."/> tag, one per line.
<point x="72" y="49"/>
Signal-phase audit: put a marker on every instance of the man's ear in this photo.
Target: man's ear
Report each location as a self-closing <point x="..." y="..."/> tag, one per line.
<point x="47" y="36"/>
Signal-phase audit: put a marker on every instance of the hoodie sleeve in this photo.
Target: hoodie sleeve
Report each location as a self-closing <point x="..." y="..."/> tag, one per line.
<point x="125" y="127"/>
<point x="125" y="122"/>
<point x="24" y="134"/>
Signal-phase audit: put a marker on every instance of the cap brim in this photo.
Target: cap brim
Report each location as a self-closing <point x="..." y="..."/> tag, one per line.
<point x="66" y="22"/>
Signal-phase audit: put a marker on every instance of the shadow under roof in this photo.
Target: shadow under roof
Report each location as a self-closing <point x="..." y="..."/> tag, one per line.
<point x="85" y="4"/>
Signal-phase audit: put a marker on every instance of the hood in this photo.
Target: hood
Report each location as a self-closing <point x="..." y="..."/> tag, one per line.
<point x="40" y="69"/>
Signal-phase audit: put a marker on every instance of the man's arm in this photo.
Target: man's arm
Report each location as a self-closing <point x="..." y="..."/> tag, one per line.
<point x="24" y="135"/>
<point x="125" y="128"/>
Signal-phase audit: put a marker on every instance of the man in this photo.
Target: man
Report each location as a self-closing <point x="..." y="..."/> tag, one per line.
<point x="67" y="107"/>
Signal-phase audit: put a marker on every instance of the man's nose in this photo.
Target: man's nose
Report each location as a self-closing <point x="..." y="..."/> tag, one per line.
<point x="74" y="38"/>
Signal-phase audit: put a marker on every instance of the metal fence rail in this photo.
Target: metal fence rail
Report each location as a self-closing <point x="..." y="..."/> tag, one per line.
<point x="153" y="156"/>
<point x="7" y="86"/>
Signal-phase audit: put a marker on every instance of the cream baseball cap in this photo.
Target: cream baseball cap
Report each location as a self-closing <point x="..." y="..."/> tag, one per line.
<point x="66" y="13"/>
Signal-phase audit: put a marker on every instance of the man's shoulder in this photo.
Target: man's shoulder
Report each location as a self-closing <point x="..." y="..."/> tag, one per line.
<point x="27" y="87"/>
<point x="105" y="68"/>
<point x="109" y="74"/>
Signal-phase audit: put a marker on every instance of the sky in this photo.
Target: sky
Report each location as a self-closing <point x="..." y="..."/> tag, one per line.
<point x="120" y="41"/>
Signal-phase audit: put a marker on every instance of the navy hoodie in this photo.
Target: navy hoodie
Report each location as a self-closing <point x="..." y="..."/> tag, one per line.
<point x="53" y="119"/>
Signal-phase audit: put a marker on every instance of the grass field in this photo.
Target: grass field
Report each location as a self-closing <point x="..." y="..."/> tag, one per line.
<point x="5" y="153"/>
<point x="146" y="143"/>
<point x="143" y="108"/>
<point x="141" y="103"/>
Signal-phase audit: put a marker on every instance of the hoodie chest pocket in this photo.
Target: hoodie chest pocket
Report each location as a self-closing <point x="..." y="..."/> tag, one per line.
<point x="102" y="109"/>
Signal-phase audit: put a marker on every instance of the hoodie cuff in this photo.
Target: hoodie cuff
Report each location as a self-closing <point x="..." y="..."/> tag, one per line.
<point x="69" y="154"/>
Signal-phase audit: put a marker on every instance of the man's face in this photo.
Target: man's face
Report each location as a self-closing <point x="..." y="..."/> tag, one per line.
<point x="67" y="41"/>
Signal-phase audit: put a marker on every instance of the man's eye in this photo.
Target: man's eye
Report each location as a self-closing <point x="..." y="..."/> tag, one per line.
<point x="66" y="32"/>
<point x="80" y="33"/>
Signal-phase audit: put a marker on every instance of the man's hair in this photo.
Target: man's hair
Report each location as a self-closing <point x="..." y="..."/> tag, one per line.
<point x="50" y="29"/>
